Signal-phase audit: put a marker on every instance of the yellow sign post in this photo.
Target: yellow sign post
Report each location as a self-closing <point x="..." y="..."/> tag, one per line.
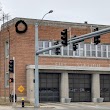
<point x="21" y="88"/>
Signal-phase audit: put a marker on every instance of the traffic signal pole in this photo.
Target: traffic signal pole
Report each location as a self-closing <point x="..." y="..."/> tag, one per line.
<point x="14" y="84"/>
<point x="37" y="52"/>
<point x="77" y="39"/>
<point x="36" y="86"/>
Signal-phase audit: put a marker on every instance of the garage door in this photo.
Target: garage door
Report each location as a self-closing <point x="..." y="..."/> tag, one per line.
<point x="80" y="87"/>
<point x="105" y="87"/>
<point x="49" y="87"/>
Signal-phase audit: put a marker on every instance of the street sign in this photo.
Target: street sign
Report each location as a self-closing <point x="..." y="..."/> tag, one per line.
<point x="21" y="88"/>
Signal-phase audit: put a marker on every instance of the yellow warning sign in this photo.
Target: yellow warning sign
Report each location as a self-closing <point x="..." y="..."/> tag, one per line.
<point x="21" y="88"/>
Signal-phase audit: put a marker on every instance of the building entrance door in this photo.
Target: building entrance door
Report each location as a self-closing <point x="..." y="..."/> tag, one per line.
<point x="80" y="87"/>
<point x="49" y="87"/>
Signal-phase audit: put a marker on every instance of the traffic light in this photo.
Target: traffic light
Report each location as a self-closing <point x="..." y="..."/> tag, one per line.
<point x="75" y="45"/>
<point x="57" y="50"/>
<point x="64" y="37"/>
<point x="96" y="38"/>
<point x="11" y="66"/>
<point x="11" y="80"/>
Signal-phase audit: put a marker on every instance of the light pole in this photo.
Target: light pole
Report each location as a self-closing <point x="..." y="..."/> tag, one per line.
<point x="51" y="11"/>
<point x="36" y="90"/>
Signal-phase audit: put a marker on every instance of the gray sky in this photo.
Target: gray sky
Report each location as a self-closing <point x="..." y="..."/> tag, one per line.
<point x="92" y="11"/>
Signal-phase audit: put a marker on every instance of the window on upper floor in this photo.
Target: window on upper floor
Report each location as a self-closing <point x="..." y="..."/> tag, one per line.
<point x="40" y="45"/>
<point x="93" y="50"/>
<point x="83" y="50"/>
<point x="104" y="51"/>
<point x="108" y="50"/>
<point x="46" y="45"/>
<point x="65" y="51"/>
<point x="53" y="50"/>
<point x="99" y="50"/>
<point x="88" y="50"/>
<point x="71" y="49"/>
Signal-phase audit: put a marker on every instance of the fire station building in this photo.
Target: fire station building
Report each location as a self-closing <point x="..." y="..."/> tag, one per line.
<point x="82" y="75"/>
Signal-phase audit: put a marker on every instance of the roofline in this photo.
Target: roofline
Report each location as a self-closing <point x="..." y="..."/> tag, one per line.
<point x="51" y="22"/>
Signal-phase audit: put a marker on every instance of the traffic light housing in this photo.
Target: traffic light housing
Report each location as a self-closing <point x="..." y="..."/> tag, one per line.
<point x="11" y="80"/>
<point x="57" y="50"/>
<point x="96" y="38"/>
<point x="11" y="66"/>
<point x="64" y="37"/>
<point x="75" y="47"/>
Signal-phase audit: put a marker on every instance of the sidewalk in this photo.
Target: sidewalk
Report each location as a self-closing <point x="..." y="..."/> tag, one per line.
<point x="107" y="104"/>
<point x="77" y="104"/>
<point x="60" y="105"/>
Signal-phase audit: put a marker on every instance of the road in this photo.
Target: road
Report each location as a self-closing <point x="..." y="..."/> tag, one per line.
<point x="58" y="106"/>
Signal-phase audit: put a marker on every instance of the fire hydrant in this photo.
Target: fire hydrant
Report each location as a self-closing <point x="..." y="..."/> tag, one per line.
<point x="22" y="102"/>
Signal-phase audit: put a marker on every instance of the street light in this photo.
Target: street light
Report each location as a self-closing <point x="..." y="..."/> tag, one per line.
<point x="51" y="11"/>
<point x="36" y="62"/>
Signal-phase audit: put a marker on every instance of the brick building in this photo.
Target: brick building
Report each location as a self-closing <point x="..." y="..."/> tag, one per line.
<point x="82" y="75"/>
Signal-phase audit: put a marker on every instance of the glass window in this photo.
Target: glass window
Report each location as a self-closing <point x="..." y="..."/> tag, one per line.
<point x="7" y="49"/>
<point x="98" y="50"/>
<point x="81" y="49"/>
<point x="53" y="50"/>
<point x="41" y="45"/>
<point x="93" y="50"/>
<point x="46" y="45"/>
<point x="108" y="50"/>
<point x="88" y="50"/>
<point x="71" y="50"/>
<point x="104" y="51"/>
<point x="64" y="50"/>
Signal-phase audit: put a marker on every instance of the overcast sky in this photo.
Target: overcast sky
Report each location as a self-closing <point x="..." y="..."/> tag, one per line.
<point x="92" y="11"/>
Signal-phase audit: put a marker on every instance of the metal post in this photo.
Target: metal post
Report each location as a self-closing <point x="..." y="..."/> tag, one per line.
<point x="36" y="68"/>
<point x="14" y="83"/>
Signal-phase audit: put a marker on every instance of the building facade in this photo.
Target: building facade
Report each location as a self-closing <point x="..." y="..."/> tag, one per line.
<point x="82" y="75"/>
